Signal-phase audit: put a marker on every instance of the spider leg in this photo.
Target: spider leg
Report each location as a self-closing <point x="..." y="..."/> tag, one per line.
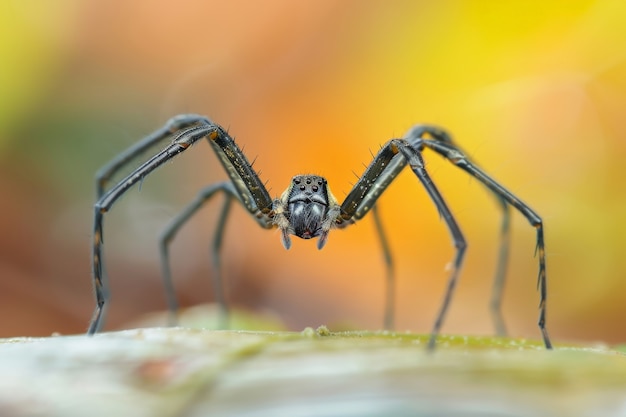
<point x="170" y="231"/>
<point x="249" y="188"/>
<point x="173" y="125"/>
<point x="497" y="291"/>
<point x="416" y="163"/>
<point x="361" y="199"/>
<point x="454" y="155"/>
<point x="106" y="172"/>
<point x="106" y="201"/>
<point x="416" y="135"/>
<point x="388" y="317"/>
<point x="389" y="161"/>
<point x="216" y="249"/>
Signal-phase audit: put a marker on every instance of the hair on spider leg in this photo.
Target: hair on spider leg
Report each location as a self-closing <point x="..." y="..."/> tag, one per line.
<point x="253" y="160"/>
<point x="307" y="208"/>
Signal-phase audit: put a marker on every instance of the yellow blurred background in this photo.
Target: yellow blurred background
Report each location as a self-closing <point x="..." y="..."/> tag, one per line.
<point x="534" y="91"/>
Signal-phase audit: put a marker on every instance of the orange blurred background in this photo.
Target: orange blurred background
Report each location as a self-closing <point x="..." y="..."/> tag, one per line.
<point x="534" y="91"/>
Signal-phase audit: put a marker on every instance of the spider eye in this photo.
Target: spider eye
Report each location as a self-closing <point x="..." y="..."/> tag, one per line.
<point x="308" y="180"/>
<point x="296" y="180"/>
<point x="302" y="187"/>
<point x="315" y="188"/>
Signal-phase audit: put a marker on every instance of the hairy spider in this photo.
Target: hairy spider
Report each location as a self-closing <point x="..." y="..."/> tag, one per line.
<point x="307" y="209"/>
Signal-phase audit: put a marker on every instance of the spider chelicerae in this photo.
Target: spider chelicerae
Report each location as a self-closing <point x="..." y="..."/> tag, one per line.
<point x="307" y="209"/>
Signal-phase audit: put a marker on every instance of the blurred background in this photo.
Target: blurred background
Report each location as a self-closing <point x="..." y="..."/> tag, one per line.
<point x="534" y="91"/>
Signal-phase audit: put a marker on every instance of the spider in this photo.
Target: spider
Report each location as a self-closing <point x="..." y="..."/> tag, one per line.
<point x="308" y="209"/>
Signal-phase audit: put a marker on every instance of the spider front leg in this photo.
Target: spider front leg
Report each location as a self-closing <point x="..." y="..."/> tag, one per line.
<point x="416" y="163"/>
<point x="173" y="125"/>
<point x="454" y="155"/>
<point x="198" y="129"/>
<point x="185" y="130"/>
<point x="420" y="136"/>
<point x="389" y="161"/>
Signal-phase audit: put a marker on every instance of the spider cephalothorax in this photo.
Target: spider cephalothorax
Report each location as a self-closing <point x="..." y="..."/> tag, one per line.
<point x="307" y="209"/>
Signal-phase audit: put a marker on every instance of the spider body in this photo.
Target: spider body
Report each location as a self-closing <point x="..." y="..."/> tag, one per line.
<point x="307" y="209"/>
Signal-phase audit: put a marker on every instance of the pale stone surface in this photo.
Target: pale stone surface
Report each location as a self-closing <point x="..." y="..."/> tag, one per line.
<point x="193" y="372"/>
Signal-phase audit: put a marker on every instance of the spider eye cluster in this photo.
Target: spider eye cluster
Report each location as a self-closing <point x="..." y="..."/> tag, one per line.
<point x="308" y="183"/>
